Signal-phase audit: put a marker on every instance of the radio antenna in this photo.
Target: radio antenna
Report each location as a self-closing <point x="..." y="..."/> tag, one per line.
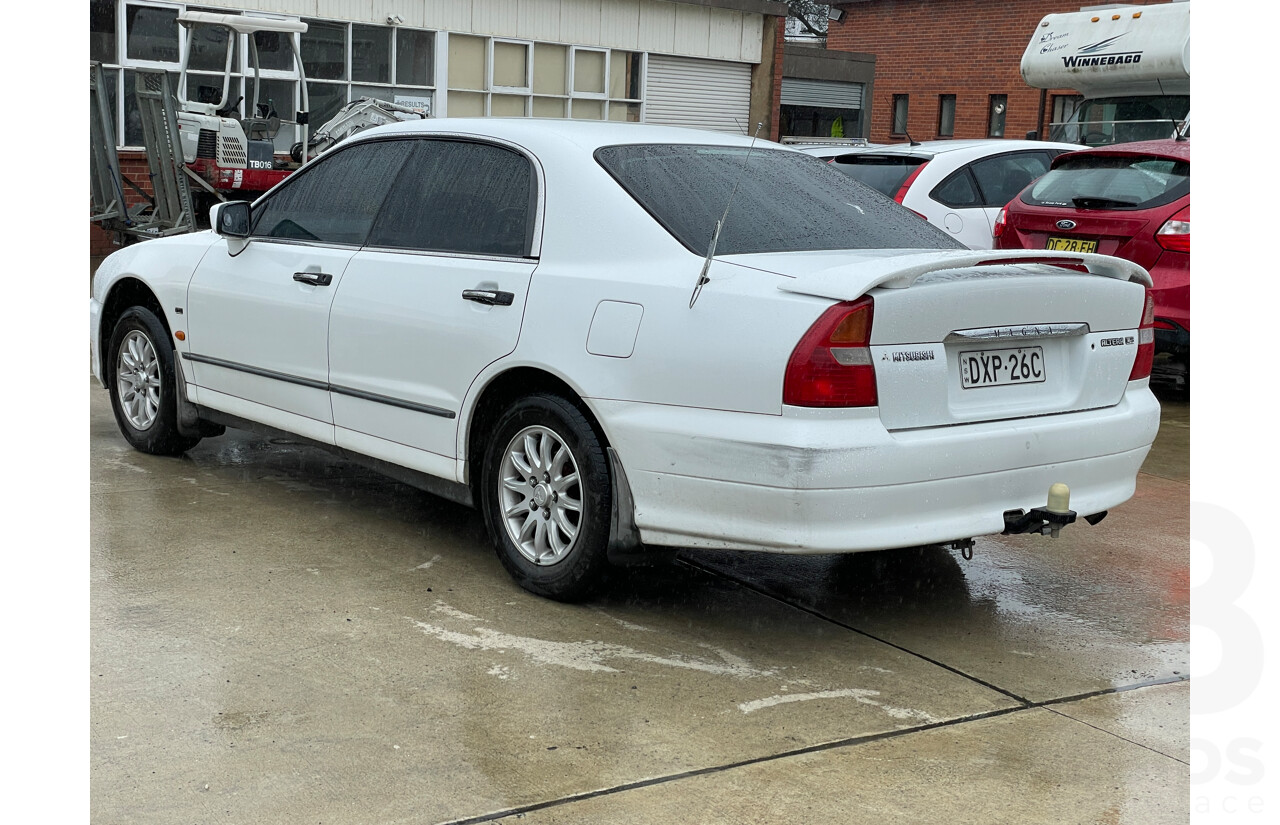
<point x="715" y="236"/>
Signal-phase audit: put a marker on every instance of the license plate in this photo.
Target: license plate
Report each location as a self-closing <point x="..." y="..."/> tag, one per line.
<point x="1001" y="367"/>
<point x="1071" y="245"/>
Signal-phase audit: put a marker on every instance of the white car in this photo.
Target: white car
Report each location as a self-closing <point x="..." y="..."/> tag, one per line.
<point x="523" y="315"/>
<point x="959" y="186"/>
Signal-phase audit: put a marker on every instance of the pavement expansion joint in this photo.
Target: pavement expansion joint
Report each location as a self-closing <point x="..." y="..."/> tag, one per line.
<point x="1022" y="700"/>
<point x="827" y="746"/>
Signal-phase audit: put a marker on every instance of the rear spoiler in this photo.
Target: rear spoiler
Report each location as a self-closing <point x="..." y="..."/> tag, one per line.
<point x="901" y="271"/>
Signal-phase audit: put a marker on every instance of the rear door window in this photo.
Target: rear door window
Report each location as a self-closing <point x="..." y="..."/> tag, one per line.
<point x="958" y="191"/>
<point x="1001" y="178"/>
<point x="883" y="173"/>
<point x="459" y="196"/>
<point x="777" y="201"/>
<point x="1112" y="182"/>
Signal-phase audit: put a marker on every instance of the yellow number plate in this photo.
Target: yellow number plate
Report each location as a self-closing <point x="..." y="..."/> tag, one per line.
<point x="1071" y="245"/>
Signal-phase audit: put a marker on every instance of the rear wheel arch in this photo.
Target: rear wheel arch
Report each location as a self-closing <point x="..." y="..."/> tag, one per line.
<point x="499" y="394"/>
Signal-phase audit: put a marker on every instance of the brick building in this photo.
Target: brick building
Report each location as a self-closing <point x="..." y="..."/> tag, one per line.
<point x="949" y="68"/>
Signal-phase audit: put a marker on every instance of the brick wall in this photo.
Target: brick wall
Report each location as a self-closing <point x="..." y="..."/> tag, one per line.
<point x="133" y="165"/>
<point x="968" y="48"/>
<point x="775" y="109"/>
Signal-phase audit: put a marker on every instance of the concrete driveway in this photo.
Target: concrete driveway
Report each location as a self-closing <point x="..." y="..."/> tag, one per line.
<point x="280" y="636"/>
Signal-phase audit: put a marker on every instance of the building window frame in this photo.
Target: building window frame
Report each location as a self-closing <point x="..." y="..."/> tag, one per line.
<point x="997" y="113"/>
<point x="899" y="114"/>
<point x="946" y="116"/>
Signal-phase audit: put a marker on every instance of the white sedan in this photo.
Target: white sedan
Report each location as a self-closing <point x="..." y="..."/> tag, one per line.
<point x="957" y="185"/>
<point x="617" y="338"/>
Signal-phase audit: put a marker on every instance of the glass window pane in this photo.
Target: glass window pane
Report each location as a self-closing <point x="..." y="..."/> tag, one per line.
<point x="459" y="197"/>
<point x="275" y="51"/>
<point x="899" y="114"/>
<point x="466" y="63"/>
<point x="325" y="99"/>
<point x="208" y="47"/>
<point x="624" y="75"/>
<point x="957" y="191"/>
<point x="379" y="92"/>
<point x="785" y="202"/>
<point x="207" y="88"/>
<point x="507" y="106"/>
<point x="946" y="115"/>
<point x="132" y="114"/>
<point x="624" y="112"/>
<point x="414" y="99"/>
<point x="1002" y="178"/>
<point x="510" y="64"/>
<point x="275" y="100"/>
<point x="371" y="54"/>
<point x="151" y="33"/>
<point x="588" y="109"/>
<point x="588" y="71"/>
<point x="102" y="31"/>
<point x="995" y="123"/>
<point x="415" y="57"/>
<point x="466" y="104"/>
<point x="324" y="50"/>
<point x="336" y="199"/>
<point x="550" y="68"/>
<point x="548" y="107"/>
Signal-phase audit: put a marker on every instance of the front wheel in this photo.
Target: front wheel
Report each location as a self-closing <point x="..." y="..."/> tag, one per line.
<point x="143" y="387"/>
<point x="546" y="497"/>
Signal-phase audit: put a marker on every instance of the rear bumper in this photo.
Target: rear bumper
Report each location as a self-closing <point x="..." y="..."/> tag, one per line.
<point x="815" y="483"/>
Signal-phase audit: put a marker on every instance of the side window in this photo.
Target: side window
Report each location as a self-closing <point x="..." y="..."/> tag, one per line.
<point x="457" y="196"/>
<point x="335" y="200"/>
<point x="957" y="191"/>
<point x="1001" y="178"/>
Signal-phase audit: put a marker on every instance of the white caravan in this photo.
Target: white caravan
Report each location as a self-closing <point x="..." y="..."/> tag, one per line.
<point x="1132" y="64"/>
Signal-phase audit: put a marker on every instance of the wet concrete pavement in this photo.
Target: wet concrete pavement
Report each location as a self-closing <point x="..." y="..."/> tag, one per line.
<point x="282" y="636"/>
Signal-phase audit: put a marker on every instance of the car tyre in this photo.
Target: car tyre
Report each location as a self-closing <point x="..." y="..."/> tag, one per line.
<point x="140" y="378"/>
<point x="546" y="497"/>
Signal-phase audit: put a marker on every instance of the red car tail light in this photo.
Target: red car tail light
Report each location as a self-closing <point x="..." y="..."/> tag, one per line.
<point x="1001" y="222"/>
<point x="906" y="184"/>
<point x="1146" y="340"/>
<point x="831" y="366"/>
<point x="1175" y="235"/>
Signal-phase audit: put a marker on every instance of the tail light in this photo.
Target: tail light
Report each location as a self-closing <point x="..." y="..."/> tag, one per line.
<point x="1146" y="341"/>
<point x="906" y="184"/>
<point x="1001" y="222"/>
<point x="831" y="366"/>
<point x="1175" y="235"/>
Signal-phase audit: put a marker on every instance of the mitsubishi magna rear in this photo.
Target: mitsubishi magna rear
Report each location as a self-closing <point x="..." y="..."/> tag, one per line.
<point x="618" y="339"/>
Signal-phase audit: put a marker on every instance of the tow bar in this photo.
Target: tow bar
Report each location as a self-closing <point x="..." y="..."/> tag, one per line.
<point x="1048" y="520"/>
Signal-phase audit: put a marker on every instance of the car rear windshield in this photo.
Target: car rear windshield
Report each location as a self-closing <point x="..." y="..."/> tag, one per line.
<point x="1111" y="182"/>
<point x="883" y="173"/>
<point x="781" y="201"/>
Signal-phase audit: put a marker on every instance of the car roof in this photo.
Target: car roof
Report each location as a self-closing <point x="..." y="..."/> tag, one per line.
<point x="1163" y="148"/>
<point x="975" y="148"/>
<point x="535" y="133"/>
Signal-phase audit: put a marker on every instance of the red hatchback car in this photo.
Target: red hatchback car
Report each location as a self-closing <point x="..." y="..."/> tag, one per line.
<point x="1131" y="200"/>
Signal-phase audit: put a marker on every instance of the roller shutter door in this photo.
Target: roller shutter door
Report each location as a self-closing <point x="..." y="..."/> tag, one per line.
<point x="821" y="93"/>
<point x="700" y="94"/>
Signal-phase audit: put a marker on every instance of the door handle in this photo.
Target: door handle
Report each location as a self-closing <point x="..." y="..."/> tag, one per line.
<point x="490" y="297"/>
<point x="313" y="278"/>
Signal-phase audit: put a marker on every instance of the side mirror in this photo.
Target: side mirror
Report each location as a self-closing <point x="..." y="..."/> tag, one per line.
<point x="230" y="220"/>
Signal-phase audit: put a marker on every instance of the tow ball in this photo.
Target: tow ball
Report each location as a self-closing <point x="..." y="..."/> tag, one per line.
<point x="1050" y="519"/>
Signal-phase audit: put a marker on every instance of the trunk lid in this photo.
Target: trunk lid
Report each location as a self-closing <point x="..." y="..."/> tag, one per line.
<point x="968" y="336"/>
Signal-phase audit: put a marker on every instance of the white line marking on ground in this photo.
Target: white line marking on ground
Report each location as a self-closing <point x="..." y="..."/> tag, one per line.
<point x="861" y="695"/>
